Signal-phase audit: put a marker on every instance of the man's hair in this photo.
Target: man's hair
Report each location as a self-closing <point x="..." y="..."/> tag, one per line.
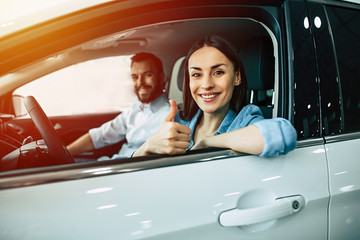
<point x="238" y="99"/>
<point x="143" y="56"/>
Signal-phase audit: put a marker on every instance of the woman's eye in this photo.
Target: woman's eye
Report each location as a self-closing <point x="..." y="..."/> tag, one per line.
<point x="218" y="72"/>
<point x="195" y="75"/>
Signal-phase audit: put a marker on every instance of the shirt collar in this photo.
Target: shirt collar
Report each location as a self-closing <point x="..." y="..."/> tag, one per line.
<point x="225" y="124"/>
<point x="154" y="105"/>
<point x="194" y="121"/>
<point x="191" y="124"/>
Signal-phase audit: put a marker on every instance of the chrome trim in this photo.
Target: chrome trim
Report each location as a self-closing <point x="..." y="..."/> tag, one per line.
<point x="36" y="176"/>
<point x="342" y="137"/>
<point x="309" y="142"/>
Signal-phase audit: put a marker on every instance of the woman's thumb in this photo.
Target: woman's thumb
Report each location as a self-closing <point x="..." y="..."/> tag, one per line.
<point x="172" y="113"/>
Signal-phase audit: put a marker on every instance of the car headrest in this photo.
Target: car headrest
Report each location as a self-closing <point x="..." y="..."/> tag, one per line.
<point x="257" y="57"/>
<point x="181" y="73"/>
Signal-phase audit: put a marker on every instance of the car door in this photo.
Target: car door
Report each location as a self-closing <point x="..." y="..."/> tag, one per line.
<point x="182" y="197"/>
<point x="338" y="51"/>
<point x="205" y="194"/>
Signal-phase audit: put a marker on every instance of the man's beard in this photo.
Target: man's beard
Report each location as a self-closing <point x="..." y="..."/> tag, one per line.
<point x="155" y="93"/>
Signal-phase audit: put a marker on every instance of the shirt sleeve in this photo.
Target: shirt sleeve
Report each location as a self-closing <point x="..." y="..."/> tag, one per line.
<point x="110" y="132"/>
<point x="279" y="134"/>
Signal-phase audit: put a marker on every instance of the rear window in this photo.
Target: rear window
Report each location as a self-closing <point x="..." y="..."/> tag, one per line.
<point x="346" y="32"/>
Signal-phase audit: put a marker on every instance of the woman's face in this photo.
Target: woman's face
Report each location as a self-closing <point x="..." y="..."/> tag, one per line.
<point x="212" y="79"/>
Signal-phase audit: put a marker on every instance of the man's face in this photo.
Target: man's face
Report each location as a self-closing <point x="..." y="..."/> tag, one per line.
<point x="148" y="82"/>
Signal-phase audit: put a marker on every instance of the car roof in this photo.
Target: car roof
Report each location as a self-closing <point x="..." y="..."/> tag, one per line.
<point x="16" y="15"/>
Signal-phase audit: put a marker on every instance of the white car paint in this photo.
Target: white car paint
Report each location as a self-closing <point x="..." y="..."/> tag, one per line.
<point x="344" y="178"/>
<point x="177" y="202"/>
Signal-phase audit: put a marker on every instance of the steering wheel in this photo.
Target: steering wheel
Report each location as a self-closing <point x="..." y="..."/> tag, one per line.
<point x="56" y="147"/>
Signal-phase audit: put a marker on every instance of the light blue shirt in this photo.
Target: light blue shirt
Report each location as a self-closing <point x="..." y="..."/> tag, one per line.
<point x="135" y="125"/>
<point x="279" y="134"/>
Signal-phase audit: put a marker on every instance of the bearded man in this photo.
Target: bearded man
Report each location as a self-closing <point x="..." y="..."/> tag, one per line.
<point x="141" y="120"/>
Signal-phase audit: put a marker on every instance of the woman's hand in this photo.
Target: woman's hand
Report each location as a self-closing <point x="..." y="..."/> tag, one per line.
<point x="172" y="138"/>
<point x="200" y="144"/>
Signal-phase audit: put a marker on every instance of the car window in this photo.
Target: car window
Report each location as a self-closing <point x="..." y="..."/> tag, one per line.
<point x="327" y="78"/>
<point x="81" y="88"/>
<point x="306" y="114"/>
<point x="346" y="41"/>
<point x="96" y="86"/>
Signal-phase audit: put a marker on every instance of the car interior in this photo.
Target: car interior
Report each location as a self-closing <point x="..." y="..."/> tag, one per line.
<point x="170" y="41"/>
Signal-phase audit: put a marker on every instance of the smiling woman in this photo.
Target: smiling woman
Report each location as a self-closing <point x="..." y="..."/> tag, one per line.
<point x="214" y="114"/>
<point x="213" y="81"/>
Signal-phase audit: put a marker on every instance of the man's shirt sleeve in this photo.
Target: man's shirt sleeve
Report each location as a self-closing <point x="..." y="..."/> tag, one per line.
<point x="110" y="132"/>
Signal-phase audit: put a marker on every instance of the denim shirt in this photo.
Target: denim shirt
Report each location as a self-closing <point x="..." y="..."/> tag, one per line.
<point x="279" y="134"/>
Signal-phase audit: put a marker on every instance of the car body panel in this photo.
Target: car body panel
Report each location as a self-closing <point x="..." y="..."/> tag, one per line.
<point x="344" y="180"/>
<point x="173" y="202"/>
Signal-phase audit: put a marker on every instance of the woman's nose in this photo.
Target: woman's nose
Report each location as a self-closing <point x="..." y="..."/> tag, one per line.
<point x="207" y="82"/>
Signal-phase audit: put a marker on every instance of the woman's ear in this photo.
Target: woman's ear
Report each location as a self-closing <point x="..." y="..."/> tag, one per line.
<point x="237" y="78"/>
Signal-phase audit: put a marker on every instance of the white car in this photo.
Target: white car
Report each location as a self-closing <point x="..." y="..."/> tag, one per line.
<point x="302" y="62"/>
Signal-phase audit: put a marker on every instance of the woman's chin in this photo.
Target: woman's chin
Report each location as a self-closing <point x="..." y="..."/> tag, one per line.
<point x="213" y="108"/>
<point x="208" y="109"/>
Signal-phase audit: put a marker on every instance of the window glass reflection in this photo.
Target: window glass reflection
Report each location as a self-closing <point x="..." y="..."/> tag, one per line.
<point x="327" y="73"/>
<point x="346" y="32"/>
<point x="306" y="114"/>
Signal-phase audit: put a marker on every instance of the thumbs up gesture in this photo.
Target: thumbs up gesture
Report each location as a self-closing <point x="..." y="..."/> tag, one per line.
<point x="172" y="138"/>
<point x="172" y="113"/>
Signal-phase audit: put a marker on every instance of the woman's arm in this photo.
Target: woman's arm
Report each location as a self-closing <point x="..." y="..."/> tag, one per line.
<point x="279" y="134"/>
<point x="246" y="140"/>
<point x="268" y="137"/>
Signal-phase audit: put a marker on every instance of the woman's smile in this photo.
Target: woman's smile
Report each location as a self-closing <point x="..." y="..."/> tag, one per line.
<point x="209" y="97"/>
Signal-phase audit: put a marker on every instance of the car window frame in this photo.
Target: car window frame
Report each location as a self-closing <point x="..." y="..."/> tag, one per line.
<point x="262" y="14"/>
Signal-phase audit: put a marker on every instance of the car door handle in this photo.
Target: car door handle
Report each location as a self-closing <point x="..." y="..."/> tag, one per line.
<point x="282" y="207"/>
